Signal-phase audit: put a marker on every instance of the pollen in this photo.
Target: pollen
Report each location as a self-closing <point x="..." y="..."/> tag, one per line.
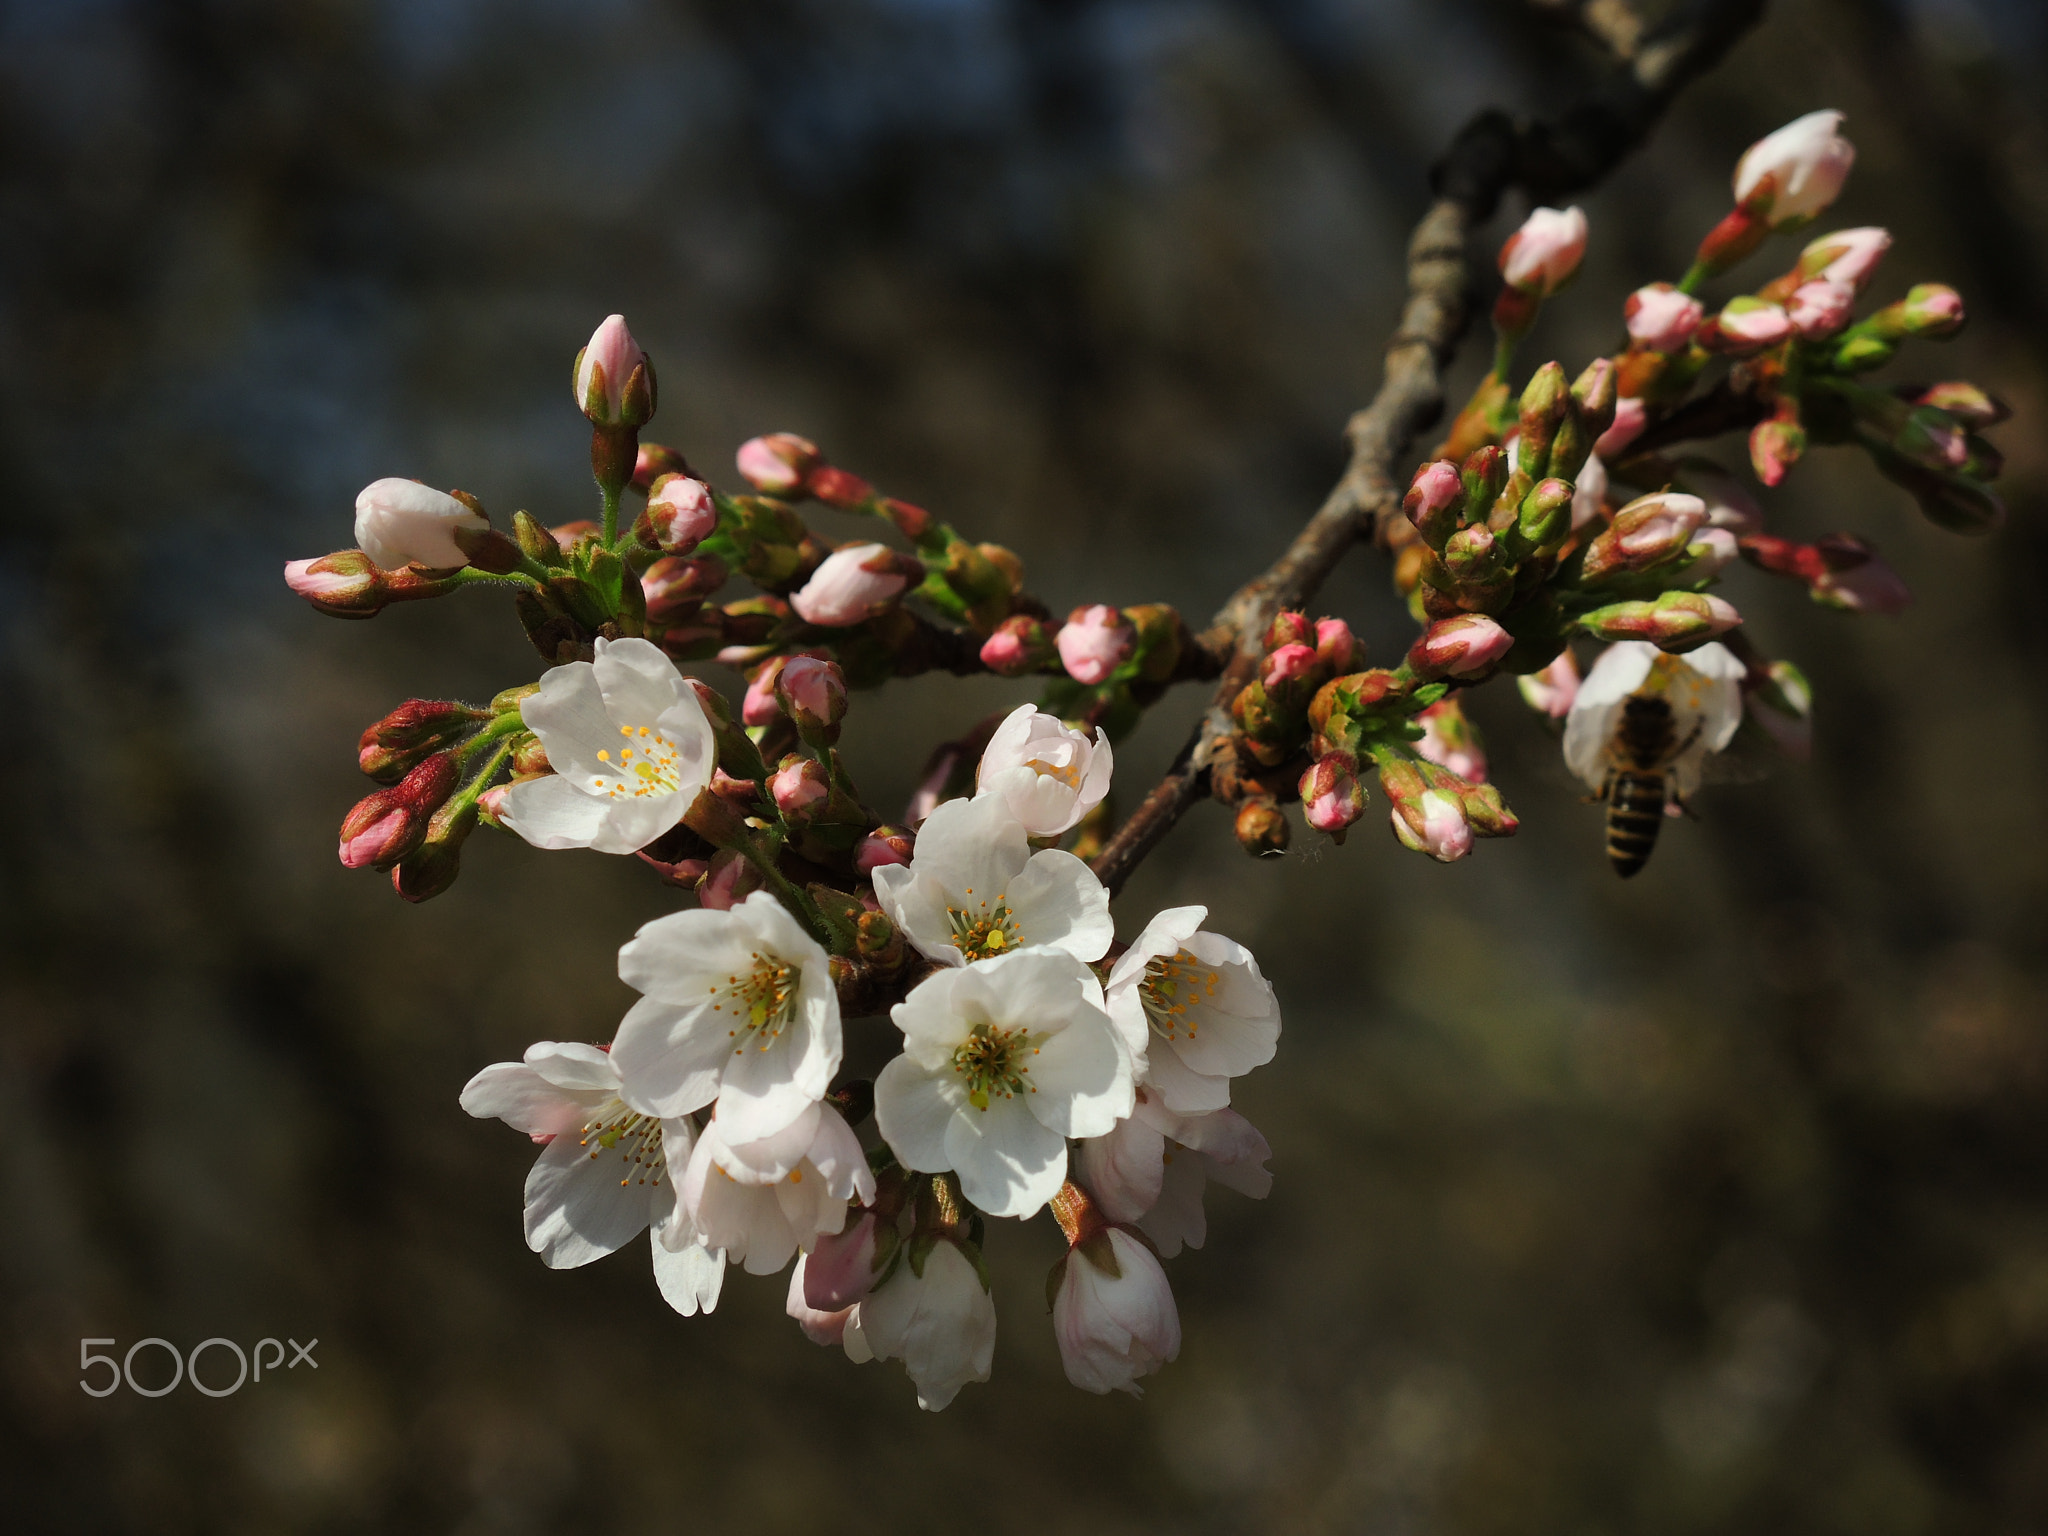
<point x="1068" y="773"/>
<point x="1173" y="992"/>
<point x="991" y="1059"/>
<point x="653" y="769"/>
<point x="635" y="1137"/>
<point x="984" y="933"/>
<point x="761" y="1003"/>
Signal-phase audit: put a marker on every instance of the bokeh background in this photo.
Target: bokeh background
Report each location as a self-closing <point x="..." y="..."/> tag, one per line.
<point x="1716" y="1201"/>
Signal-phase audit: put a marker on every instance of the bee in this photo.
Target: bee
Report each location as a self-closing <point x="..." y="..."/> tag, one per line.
<point x="1639" y="782"/>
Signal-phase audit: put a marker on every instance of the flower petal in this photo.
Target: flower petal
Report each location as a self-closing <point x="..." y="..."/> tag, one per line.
<point x="669" y="1063"/>
<point x="1058" y="901"/>
<point x="913" y="1108"/>
<point x="550" y="812"/>
<point x="516" y="1094"/>
<point x="577" y="1208"/>
<point x="1010" y="1164"/>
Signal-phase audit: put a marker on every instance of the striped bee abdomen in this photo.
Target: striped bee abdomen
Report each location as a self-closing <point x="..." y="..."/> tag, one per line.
<point x="1635" y="810"/>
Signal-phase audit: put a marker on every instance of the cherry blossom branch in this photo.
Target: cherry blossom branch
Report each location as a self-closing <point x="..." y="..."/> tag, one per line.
<point x="1491" y="154"/>
<point x="1615" y="24"/>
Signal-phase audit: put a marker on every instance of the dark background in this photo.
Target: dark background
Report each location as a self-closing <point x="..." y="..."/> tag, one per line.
<point x="1713" y="1202"/>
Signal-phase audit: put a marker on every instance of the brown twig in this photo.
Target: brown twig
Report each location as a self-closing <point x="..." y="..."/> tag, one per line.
<point x="1614" y="24"/>
<point x="1491" y="154"/>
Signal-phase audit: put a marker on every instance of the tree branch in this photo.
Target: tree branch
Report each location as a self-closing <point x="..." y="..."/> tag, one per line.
<point x="1489" y="155"/>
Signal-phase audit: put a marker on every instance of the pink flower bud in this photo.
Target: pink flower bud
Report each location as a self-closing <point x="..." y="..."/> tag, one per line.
<point x="1745" y="325"/>
<point x="680" y="512"/>
<point x="744" y="793"/>
<point x="776" y="464"/>
<point x="1289" y="627"/>
<point x="1820" y="308"/>
<point x="1661" y="318"/>
<point x="1289" y="664"/>
<point x="730" y="880"/>
<point x="1449" y="741"/>
<point x="653" y="460"/>
<point x="1933" y="309"/>
<point x="673" y="587"/>
<point x="401" y="522"/>
<point x="1856" y="578"/>
<point x="1653" y="528"/>
<point x="1332" y="799"/>
<point x="492" y="802"/>
<point x="392" y="747"/>
<point x="1021" y="644"/>
<point x="1434" y="499"/>
<point x="1466" y="646"/>
<point x="837" y="487"/>
<point x="884" y="845"/>
<point x="1847" y="256"/>
<point x="1113" y="1315"/>
<point x="1093" y="643"/>
<point x="1336" y="646"/>
<point x="760" y="706"/>
<point x="1551" y="691"/>
<point x="1788" y="176"/>
<point x="852" y="585"/>
<point x="812" y="692"/>
<point x="1544" y="254"/>
<point x="344" y="582"/>
<point x="841" y="1268"/>
<point x="383" y="828"/>
<point x="824" y="1328"/>
<point x="1436" y="825"/>
<point x="1630" y="417"/>
<point x="799" y="787"/>
<point x="1713" y="550"/>
<point x="614" y="381"/>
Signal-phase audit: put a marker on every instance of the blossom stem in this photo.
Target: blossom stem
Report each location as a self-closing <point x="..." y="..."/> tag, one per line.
<point x="610" y="493"/>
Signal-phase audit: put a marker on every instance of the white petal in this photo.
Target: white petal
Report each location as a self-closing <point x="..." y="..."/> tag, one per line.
<point x="1166" y="934"/>
<point x="771" y="1158"/>
<point x="690" y="1277"/>
<point x="1182" y="1089"/>
<point x="1123" y="1169"/>
<point x="631" y="824"/>
<point x="568" y="716"/>
<point x="680" y="957"/>
<point x="842" y="1166"/>
<point x="638" y="681"/>
<point x="913" y="1108"/>
<point x="1010" y="1164"/>
<point x="668" y="1063"/>
<point x="1177" y="1216"/>
<point x="574" y="1065"/>
<point x="550" y="812"/>
<point x="1057" y="900"/>
<point x="513" y="1092"/>
<point x="577" y="1209"/>
<point x="1083" y="1080"/>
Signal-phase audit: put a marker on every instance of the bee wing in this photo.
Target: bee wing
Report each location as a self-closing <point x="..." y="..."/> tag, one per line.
<point x="1750" y="757"/>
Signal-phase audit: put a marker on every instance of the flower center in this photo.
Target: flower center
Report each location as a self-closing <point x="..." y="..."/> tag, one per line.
<point x="993" y="1060"/>
<point x="1173" y="989"/>
<point x="762" y="1001"/>
<point x="984" y="933"/>
<point x="634" y="1136"/>
<point x="1068" y="773"/>
<point x="648" y="765"/>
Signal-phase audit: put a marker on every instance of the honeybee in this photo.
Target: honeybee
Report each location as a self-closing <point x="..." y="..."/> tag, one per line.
<point x="1639" y="784"/>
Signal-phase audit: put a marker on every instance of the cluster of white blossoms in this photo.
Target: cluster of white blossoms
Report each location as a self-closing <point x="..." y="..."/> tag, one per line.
<point x="1040" y="1066"/>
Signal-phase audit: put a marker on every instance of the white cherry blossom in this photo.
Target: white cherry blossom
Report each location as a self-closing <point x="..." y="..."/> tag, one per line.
<point x="739" y="1009"/>
<point x="400" y="522"/>
<point x="607" y="1171"/>
<point x="1113" y="1315"/>
<point x="630" y="747"/>
<point x="973" y="890"/>
<point x="1049" y="774"/>
<point x="1150" y="1170"/>
<point x="761" y="1201"/>
<point x="1193" y="1009"/>
<point x="1702" y="687"/>
<point x="1001" y="1063"/>
<point x="940" y="1323"/>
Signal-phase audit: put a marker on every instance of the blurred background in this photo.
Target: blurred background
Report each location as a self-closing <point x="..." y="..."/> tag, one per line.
<point x="1716" y="1201"/>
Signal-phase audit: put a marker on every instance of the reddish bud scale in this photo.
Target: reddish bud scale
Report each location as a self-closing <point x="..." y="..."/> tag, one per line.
<point x="384" y="827"/>
<point x="838" y="488"/>
<point x="395" y="744"/>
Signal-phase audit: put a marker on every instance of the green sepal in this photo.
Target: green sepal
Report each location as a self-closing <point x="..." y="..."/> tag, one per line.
<point x="842" y="914"/>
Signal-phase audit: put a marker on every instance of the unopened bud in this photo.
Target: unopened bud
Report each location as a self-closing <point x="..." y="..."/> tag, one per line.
<point x="1631" y="416"/>
<point x="1332" y="799"/>
<point x="760" y="706"/>
<point x="842" y="1266"/>
<point x="1819" y="309"/>
<point x="913" y="522"/>
<point x="384" y="827"/>
<point x="1546" y="512"/>
<point x="1451" y="741"/>
<point x="1676" y="621"/>
<point x="776" y="464"/>
<point x="1966" y="402"/>
<point x="839" y="488"/>
<point x="652" y="461"/>
<point x="1544" y="254"/>
<point x="1545" y="400"/>
<point x="679" y="513"/>
<point x="1261" y="827"/>
<point x="1710" y="553"/>
<point x="432" y="867"/>
<point x="812" y="692"/>
<point x="614" y="380"/>
<point x="1288" y="666"/>
<point x="1435" y="501"/>
<point x="1930" y="436"/>
<point x="1855" y="578"/>
<point x="344" y="584"/>
<point x="1472" y="554"/>
<point x="1847" y="256"/>
<point x="675" y="588"/>
<point x="1787" y="177"/>
<point x="1777" y="443"/>
<point x="1289" y="627"/>
<point x="729" y="880"/>
<point x="393" y="746"/>
<point x="1746" y="324"/>
<point x="1433" y="823"/>
<point x="1094" y="642"/>
<point x="854" y="584"/>
<point x="799" y="788"/>
<point x="1336" y="646"/>
<point x="1020" y="644"/>
<point x="884" y="845"/>
<point x="1467" y="646"/>
<point x="1932" y="309"/>
<point x="1661" y="318"/>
